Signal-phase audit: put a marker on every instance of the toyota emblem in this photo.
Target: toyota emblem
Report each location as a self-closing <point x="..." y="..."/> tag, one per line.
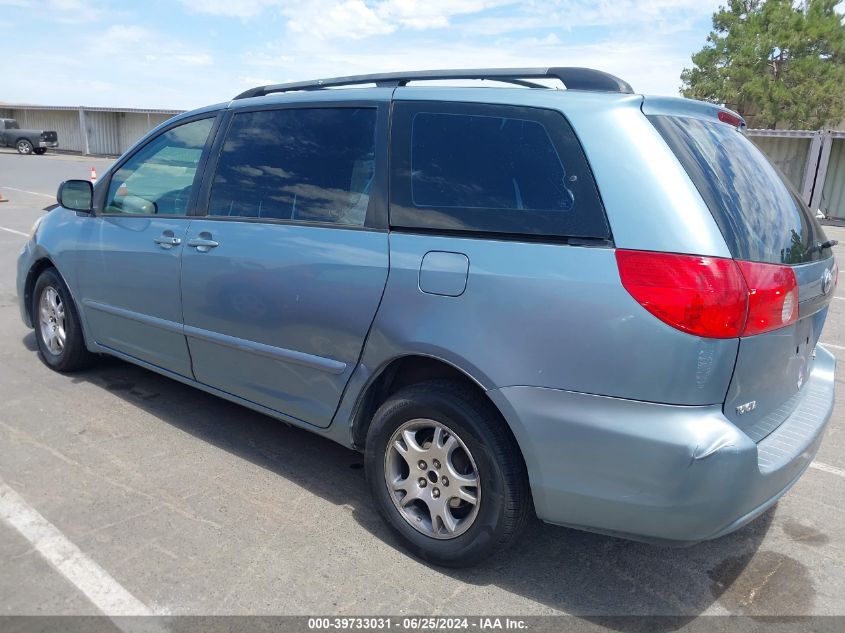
<point x="827" y="281"/>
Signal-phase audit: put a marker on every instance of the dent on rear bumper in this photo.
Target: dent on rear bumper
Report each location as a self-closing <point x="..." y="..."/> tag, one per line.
<point x="658" y="472"/>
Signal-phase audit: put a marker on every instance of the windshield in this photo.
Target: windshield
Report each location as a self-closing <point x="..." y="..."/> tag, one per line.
<point x="758" y="211"/>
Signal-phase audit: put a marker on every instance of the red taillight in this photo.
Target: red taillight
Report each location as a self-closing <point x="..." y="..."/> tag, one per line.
<point x="730" y="118"/>
<point x="711" y="297"/>
<point x="705" y="296"/>
<point x="772" y="297"/>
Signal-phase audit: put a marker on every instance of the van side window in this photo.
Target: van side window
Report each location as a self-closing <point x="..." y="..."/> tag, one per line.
<point x="303" y="164"/>
<point x="492" y="169"/>
<point x="158" y="178"/>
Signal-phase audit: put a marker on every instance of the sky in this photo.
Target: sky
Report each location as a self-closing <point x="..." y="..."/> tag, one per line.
<point x="183" y="54"/>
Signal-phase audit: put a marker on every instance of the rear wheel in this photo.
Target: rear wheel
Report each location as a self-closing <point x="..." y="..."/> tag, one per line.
<point x="446" y="474"/>
<point x="61" y="345"/>
<point x="40" y="150"/>
<point x="24" y="146"/>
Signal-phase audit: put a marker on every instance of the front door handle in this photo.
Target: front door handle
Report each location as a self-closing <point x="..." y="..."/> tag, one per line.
<point x="167" y="240"/>
<point x="203" y="243"/>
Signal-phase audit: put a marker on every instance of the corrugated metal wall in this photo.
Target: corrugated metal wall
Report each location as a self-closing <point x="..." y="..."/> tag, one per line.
<point x="103" y="132"/>
<point x="833" y="193"/>
<point x="789" y="154"/>
<point x="64" y="122"/>
<point x="134" y="125"/>
<point x="110" y="132"/>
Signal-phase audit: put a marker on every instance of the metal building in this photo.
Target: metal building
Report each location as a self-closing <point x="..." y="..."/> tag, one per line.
<point x="813" y="161"/>
<point x="89" y="130"/>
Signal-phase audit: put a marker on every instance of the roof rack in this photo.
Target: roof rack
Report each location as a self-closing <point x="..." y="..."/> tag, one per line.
<point x="572" y="77"/>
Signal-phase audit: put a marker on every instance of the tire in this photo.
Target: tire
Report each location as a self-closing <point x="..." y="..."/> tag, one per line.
<point x="483" y="450"/>
<point x="24" y="146"/>
<point x="40" y="150"/>
<point x="71" y="354"/>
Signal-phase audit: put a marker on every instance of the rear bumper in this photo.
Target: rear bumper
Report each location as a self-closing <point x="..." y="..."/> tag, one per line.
<point x="659" y="472"/>
<point x="48" y="144"/>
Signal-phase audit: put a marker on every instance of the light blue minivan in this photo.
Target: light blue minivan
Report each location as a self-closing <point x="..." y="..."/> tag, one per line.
<point x="595" y="306"/>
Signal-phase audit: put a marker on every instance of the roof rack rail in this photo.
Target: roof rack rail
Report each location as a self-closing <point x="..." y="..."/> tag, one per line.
<point x="572" y="77"/>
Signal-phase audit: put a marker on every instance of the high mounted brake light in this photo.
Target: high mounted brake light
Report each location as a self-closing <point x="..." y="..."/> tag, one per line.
<point x="712" y="297"/>
<point x="730" y="118"/>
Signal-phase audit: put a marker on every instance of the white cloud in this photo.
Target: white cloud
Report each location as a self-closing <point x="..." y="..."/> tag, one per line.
<point x="665" y="15"/>
<point x="363" y="18"/>
<point x="131" y="46"/>
<point x="118" y="38"/>
<point x="194" y="59"/>
<point x="350" y="19"/>
<point x="243" y="9"/>
<point x="648" y="61"/>
<point x="433" y="13"/>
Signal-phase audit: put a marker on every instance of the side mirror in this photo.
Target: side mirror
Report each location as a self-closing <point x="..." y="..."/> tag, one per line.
<point x="76" y="195"/>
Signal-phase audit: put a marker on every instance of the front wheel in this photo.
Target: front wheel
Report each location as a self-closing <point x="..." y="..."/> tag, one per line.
<point x="57" y="330"/>
<point x="446" y="473"/>
<point x="24" y="146"/>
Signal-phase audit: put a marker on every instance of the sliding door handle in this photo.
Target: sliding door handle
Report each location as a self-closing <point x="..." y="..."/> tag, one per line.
<point x="203" y="245"/>
<point x="167" y="241"/>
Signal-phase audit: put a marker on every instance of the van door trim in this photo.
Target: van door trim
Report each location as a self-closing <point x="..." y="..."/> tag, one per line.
<point x="276" y="353"/>
<point x="146" y="319"/>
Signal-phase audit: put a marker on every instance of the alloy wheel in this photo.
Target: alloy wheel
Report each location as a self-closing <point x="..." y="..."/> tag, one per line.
<point x="51" y="318"/>
<point x="432" y="478"/>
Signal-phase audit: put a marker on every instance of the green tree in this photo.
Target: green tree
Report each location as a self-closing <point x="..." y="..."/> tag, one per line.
<point x="776" y="61"/>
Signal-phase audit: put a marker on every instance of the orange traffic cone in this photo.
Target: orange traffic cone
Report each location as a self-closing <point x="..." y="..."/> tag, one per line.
<point x="93" y="176"/>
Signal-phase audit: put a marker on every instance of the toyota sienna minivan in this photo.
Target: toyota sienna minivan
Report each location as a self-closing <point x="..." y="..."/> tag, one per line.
<point x="587" y="304"/>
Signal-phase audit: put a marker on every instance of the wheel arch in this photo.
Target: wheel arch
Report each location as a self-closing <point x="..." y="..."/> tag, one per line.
<point x="403" y="371"/>
<point x="39" y="266"/>
<point x="32" y="276"/>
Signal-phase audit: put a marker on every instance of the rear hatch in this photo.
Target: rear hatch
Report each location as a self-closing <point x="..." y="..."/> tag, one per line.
<point x="763" y="220"/>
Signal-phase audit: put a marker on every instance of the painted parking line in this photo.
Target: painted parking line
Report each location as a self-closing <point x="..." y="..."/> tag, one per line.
<point x="108" y="595"/>
<point x="15" y="231"/>
<point x="827" y="468"/>
<point x="832" y="345"/>
<point x="33" y="193"/>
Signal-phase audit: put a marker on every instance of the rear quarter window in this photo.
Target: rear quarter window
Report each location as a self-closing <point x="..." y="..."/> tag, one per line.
<point x="491" y="169"/>
<point x="759" y="213"/>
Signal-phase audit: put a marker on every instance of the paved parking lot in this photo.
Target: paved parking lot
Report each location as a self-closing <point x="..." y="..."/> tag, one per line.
<point x="192" y="505"/>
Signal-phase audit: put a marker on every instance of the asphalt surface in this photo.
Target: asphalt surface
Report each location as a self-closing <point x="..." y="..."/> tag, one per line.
<point x="192" y="505"/>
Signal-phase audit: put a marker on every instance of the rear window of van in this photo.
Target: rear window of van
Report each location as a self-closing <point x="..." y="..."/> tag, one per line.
<point x="760" y="214"/>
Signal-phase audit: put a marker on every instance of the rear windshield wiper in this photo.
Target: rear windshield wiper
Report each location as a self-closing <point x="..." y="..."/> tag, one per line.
<point x="820" y="246"/>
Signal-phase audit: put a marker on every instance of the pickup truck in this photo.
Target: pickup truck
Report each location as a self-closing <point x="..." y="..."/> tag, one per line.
<point x="26" y="141"/>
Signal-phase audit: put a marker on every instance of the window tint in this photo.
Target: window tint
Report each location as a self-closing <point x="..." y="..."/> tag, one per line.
<point x="310" y="164"/>
<point x="500" y="169"/>
<point x="158" y="179"/>
<point x="760" y="215"/>
<point x="12" y="125"/>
